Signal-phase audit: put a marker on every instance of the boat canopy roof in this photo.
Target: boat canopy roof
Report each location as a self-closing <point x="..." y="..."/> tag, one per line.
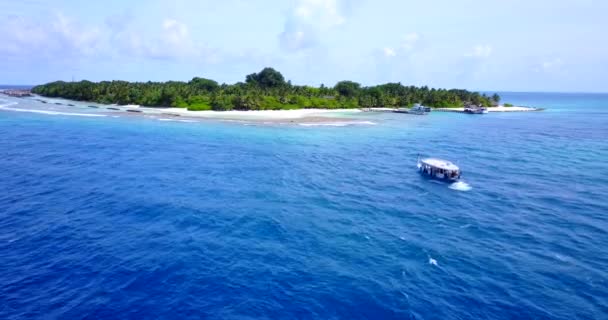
<point x="440" y="164"/>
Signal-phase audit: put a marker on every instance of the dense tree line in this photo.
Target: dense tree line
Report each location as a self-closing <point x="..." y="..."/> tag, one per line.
<point x="266" y="90"/>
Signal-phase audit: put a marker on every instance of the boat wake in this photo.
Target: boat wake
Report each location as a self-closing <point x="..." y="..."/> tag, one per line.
<point x="460" y="186"/>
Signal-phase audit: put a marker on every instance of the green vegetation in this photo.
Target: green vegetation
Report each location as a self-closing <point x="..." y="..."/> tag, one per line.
<point x="496" y="98"/>
<point x="508" y="105"/>
<point x="266" y="90"/>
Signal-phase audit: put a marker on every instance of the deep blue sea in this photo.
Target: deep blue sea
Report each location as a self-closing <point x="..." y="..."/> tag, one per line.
<point x="17" y="87"/>
<point x="134" y="218"/>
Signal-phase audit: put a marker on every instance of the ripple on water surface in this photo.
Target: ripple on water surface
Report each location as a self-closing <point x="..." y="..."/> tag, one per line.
<point x="116" y="218"/>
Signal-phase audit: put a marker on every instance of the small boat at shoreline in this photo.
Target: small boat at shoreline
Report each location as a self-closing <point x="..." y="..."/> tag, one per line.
<point x="439" y="169"/>
<point x="417" y="109"/>
<point x="475" y="109"/>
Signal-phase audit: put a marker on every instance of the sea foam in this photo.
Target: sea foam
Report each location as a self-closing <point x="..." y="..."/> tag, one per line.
<point x="4" y="106"/>
<point x="49" y="112"/>
<point x="337" y="124"/>
<point x="460" y="186"/>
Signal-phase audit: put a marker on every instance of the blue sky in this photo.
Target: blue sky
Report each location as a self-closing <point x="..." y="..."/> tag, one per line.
<point x="519" y="45"/>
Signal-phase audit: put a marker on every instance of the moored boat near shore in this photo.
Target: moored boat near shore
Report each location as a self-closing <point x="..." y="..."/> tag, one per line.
<point x="475" y="109"/>
<point x="417" y="109"/>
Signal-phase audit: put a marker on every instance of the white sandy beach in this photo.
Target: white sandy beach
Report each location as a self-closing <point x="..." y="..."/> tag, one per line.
<point x="253" y="114"/>
<point x="306" y="117"/>
<point x="511" y="109"/>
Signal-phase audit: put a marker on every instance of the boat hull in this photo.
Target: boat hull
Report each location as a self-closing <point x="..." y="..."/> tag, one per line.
<point x="476" y="111"/>
<point x="439" y="177"/>
<point x="420" y="113"/>
<point x="417" y="110"/>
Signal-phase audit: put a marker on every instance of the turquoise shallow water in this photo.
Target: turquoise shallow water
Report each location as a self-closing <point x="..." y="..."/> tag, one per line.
<point x="104" y="217"/>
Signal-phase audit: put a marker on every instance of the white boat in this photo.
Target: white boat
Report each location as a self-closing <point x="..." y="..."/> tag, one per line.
<point x="439" y="169"/>
<point x="475" y="110"/>
<point x="416" y="109"/>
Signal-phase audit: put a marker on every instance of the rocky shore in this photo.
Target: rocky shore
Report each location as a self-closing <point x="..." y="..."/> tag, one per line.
<point x="17" y="93"/>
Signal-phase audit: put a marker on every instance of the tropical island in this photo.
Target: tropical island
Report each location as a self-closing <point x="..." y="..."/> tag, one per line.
<point x="265" y="90"/>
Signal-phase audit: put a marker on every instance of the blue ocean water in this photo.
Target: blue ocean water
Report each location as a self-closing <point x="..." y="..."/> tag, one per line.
<point x="104" y="218"/>
<point x="18" y="87"/>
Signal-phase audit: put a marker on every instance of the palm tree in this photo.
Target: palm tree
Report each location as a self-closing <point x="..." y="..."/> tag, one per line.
<point x="496" y="98"/>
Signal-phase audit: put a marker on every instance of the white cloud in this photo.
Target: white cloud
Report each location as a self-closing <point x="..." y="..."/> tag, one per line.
<point x="409" y="41"/>
<point x="171" y="41"/>
<point x="389" y="52"/>
<point x="407" y="45"/>
<point x="174" y="41"/>
<point x="61" y="38"/>
<point x="480" y="51"/>
<point x="297" y="37"/>
<point x="77" y="37"/>
<point x="552" y="64"/>
<point x="175" y="30"/>
<point x="325" y="13"/>
<point x="307" y="20"/>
